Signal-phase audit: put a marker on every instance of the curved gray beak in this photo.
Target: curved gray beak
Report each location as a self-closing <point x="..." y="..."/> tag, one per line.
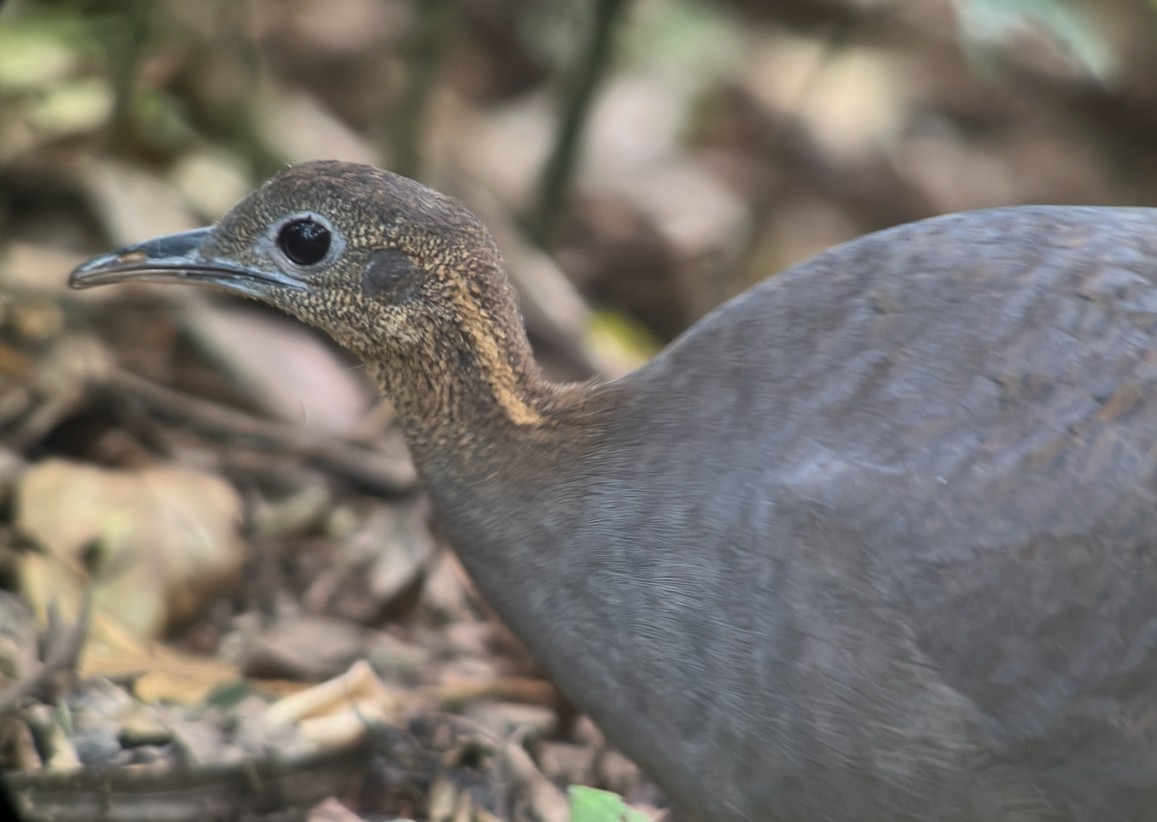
<point x="179" y="258"/>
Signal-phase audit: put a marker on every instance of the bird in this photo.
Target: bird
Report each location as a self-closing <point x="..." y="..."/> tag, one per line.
<point x="875" y="540"/>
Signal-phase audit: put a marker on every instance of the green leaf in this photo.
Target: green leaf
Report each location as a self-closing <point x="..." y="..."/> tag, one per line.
<point x="994" y="22"/>
<point x="590" y="805"/>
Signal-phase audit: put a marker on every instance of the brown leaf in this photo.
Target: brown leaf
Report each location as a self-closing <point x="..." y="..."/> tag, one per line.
<point x="154" y="544"/>
<point x="291" y="372"/>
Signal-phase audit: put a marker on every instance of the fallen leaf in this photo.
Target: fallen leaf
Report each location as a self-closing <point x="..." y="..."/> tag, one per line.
<point x="152" y="545"/>
<point x="288" y="370"/>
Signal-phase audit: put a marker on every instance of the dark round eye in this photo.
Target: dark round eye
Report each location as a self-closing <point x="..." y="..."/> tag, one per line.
<point x="304" y="241"/>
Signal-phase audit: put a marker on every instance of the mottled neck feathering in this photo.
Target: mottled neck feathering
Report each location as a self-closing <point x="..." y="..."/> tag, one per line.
<point x="472" y="366"/>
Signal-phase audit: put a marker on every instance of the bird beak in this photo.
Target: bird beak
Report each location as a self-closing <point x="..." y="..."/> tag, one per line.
<point x="179" y="258"/>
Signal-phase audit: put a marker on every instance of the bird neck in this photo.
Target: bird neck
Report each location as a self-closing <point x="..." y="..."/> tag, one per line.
<point x="467" y="390"/>
<point x="474" y="387"/>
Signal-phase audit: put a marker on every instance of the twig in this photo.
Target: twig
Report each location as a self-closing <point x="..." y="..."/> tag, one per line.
<point x="377" y="471"/>
<point x="556" y="176"/>
<point x="127" y="58"/>
<point x="526" y="690"/>
<point x="62" y="648"/>
<point x="424" y="58"/>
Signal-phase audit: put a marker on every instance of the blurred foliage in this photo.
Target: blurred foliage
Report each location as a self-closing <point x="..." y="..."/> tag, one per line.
<point x="988" y="22"/>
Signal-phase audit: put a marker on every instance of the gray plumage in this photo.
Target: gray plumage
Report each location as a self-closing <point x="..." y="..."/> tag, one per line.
<point x="874" y="541"/>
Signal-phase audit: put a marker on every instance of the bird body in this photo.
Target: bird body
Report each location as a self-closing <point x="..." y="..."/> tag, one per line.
<point x="876" y="540"/>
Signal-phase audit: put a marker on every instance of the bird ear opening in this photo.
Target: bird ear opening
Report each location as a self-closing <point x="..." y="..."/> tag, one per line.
<point x="390" y="276"/>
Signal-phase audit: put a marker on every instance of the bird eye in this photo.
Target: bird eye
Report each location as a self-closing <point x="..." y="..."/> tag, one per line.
<point x="304" y="241"/>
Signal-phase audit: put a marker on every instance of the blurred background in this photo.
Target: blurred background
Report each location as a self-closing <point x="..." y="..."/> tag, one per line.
<point x="205" y="511"/>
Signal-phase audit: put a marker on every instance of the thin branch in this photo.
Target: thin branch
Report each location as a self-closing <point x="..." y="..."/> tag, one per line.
<point x="424" y="58"/>
<point x="559" y="169"/>
<point x="380" y="472"/>
<point x="62" y="649"/>
<point x="126" y="61"/>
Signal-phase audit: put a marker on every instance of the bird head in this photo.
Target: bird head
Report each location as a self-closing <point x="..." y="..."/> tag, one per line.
<point x="383" y="264"/>
<point x="406" y="278"/>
